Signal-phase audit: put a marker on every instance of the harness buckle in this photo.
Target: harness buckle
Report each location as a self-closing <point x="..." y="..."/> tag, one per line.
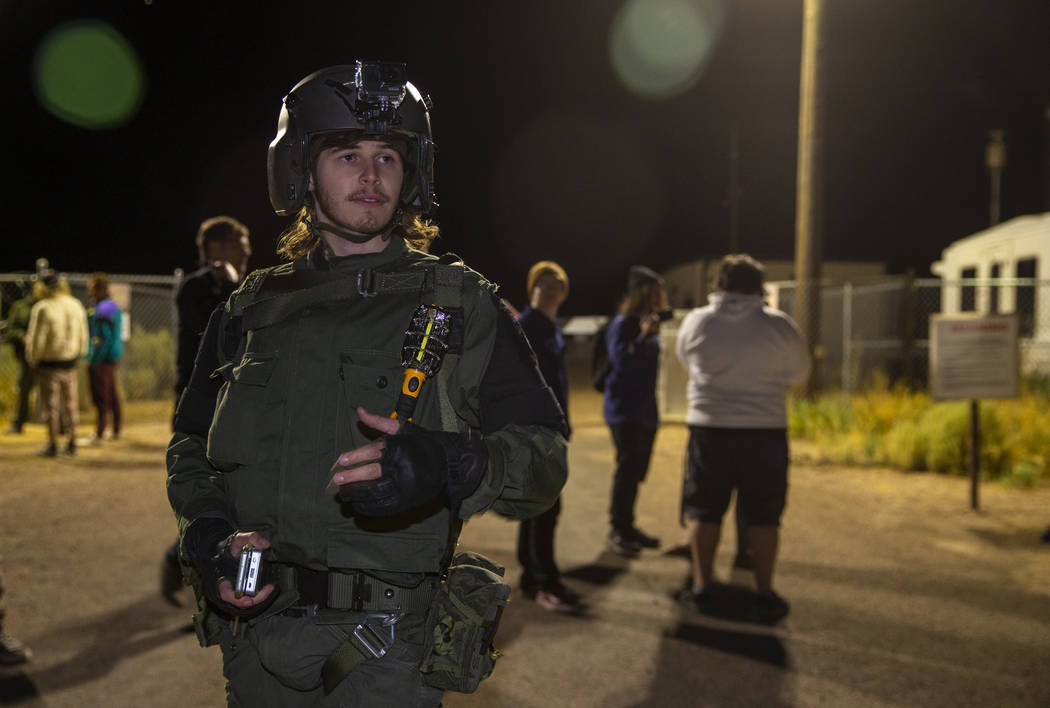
<point x="366" y="283"/>
<point x="376" y="632"/>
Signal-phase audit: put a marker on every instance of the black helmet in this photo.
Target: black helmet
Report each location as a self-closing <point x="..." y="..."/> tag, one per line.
<point x="369" y="96"/>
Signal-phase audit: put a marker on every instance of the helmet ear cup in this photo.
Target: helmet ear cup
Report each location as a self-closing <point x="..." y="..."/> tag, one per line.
<point x="287" y="166"/>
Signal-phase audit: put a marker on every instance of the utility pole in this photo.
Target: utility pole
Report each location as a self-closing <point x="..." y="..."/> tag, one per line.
<point x="995" y="161"/>
<point x="808" y="203"/>
<point x="734" y="189"/>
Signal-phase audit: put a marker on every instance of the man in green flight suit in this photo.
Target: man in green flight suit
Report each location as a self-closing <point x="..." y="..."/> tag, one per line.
<point x="285" y="439"/>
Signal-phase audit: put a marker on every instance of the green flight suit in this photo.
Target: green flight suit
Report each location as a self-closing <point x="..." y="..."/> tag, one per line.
<point x="305" y="359"/>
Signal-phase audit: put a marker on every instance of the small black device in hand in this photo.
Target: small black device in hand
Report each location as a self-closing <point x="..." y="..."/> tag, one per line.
<point x="248" y="571"/>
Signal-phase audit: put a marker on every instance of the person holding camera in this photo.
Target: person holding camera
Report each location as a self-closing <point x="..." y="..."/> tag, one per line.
<point x="348" y="409"/>
<point x="742" y="357"/>
<point x="629" y="405"/>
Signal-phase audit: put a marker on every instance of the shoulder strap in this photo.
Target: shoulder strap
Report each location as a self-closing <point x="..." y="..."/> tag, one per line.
<point x="448" y="285"/>
<point x="448" y="292"/>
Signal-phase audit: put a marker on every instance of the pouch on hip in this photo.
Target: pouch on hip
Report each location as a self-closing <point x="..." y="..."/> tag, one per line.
<point x="461" y="624"/>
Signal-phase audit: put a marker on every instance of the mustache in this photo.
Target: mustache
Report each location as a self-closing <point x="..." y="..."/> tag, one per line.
<point x="368" y="193"/>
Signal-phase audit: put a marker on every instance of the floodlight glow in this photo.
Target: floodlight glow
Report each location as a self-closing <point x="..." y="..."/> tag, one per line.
<point x="658" y="48"/>
<point x="88" y="74"/>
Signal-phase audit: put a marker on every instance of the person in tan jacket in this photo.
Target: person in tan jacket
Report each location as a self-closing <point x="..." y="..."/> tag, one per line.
<point x="57" y="337"/>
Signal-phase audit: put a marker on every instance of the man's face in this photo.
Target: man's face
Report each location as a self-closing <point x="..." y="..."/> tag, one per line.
<point x="357" y="187"/>
<point x="548" y="291"/>
<point x="236" y="251"/>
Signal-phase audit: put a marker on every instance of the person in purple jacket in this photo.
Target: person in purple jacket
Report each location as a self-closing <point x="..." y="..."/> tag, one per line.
<point x="105" y="348"/>
<point x="629" y="407"/>
<point x="548" y="286"/>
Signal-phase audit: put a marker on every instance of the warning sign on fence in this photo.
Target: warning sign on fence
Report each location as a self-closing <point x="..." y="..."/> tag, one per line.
<point x="973" y="356"/>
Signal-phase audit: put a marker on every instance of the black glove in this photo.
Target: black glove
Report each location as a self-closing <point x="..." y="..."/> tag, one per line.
<point x="418" y="465"/>
<point x="207" y="542"/>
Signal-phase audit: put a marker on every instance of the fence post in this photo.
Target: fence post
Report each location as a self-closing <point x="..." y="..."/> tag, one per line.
<point x="847" y="338"/>
<point x="178" y="273"/>
<point x="908" y="319"/>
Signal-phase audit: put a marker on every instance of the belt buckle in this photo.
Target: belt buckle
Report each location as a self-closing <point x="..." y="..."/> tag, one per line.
<point x="376" y="632"/>
<point x="302" y="610"/>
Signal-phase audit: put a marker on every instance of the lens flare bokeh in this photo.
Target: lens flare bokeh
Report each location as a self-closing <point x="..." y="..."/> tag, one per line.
<point x="88" y="74"/>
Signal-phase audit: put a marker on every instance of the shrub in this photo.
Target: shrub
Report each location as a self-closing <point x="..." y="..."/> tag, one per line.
<point x="904" y="447"/>
<point x="908" y="431"/>
<point x="148" y="367"/>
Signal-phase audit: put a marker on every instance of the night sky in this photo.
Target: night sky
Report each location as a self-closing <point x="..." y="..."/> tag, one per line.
<point x="542" y="151"/>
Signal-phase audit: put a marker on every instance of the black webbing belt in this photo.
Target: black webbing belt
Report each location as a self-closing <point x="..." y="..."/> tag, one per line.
<point x="355" y="591"/>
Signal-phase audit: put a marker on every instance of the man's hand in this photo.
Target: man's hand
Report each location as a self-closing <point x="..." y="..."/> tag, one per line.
<point x="650" y="324"/>
<point x="224" y="270"/>
<point x="226" y="594"/>
<point x="407" y="469"/>
<point x="362" y="464"/>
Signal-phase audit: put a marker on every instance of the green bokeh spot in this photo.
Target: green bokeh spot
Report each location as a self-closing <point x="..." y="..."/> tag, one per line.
<point x="88" y="74"/>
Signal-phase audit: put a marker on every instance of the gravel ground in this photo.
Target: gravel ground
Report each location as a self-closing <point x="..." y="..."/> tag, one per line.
<point x="901" y="596"/>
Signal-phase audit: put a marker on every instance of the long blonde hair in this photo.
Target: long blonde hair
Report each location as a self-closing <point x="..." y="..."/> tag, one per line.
<point x="301" y="238"/>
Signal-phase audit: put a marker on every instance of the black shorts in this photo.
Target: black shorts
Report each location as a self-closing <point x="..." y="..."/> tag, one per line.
<point x="754" y="461"/>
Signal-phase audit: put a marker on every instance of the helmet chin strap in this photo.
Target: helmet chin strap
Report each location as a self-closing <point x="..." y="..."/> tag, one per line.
<point x="354" y="236"/>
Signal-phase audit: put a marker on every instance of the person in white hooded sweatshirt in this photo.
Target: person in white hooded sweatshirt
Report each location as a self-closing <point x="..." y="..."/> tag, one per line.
<point x="742" y="357"/>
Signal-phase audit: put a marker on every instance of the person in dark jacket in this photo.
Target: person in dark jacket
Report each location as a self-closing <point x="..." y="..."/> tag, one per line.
<point x="15" y="333"/>
<point x="633" y="343"/>
<point x="223" y="250"/>
<point x="548" y="286"/>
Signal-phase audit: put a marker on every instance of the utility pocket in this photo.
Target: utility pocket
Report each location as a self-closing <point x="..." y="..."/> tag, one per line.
<point x="244" y="412"/>
<point x="461" y="624"/>
<point x="371" y="380"/>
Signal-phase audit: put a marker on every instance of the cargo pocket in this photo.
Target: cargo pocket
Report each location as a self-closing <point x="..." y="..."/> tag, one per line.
<point x="371" y="380"/>
<point x="243" y="412"/>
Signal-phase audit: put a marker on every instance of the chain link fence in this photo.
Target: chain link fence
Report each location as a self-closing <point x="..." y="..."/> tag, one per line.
<point x="147" y="369"/>
<point x="884" y="327"/>
<point x="877" y="327"/>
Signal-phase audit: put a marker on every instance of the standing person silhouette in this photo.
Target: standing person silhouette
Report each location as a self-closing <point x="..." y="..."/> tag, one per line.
<point x="223" y="250"/>
<point x="629" y="407"/>
<point x="548" y="287"/>
<point x="742" y="357"/>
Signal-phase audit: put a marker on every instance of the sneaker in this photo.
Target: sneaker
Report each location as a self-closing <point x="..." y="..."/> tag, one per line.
<point x="558" y="598"/>
<point x="13" y="429"/>
<point x="643" y="539"/>
<point x="49" y="451"/>
<point x="622" y="545"/>
<point x="768" y="608"/>
<point x="12" y="651"/>
<point x="712" y="599"/>
<point x="70" y="449"/>
<point x="171" y="581"/>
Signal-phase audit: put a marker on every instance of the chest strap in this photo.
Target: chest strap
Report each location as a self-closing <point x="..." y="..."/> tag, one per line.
<point x="269" y="300"/>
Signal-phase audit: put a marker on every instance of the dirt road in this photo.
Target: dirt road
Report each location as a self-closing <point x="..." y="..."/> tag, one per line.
<point x="900" y="595"/>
